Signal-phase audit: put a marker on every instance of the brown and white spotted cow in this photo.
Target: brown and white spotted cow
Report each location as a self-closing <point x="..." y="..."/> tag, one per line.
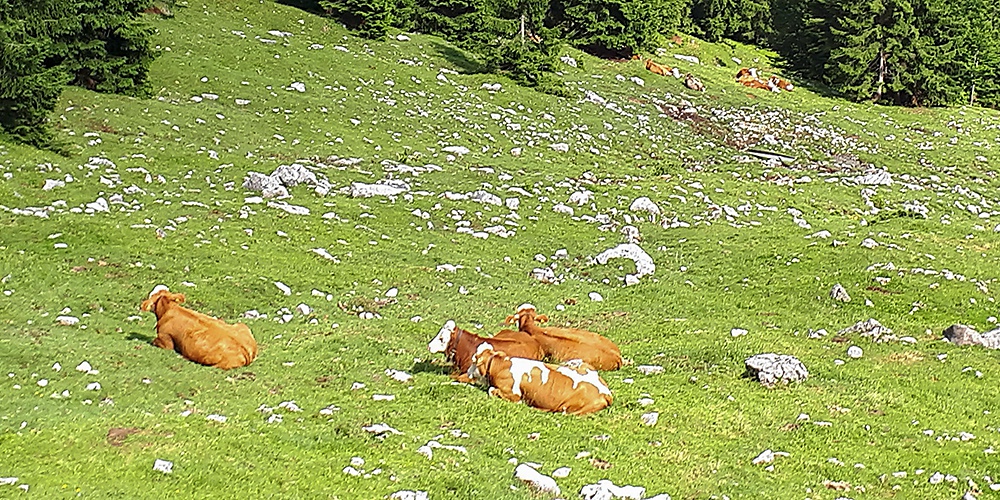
<point x="460" y="345"/>
<point x="574" y="388"/>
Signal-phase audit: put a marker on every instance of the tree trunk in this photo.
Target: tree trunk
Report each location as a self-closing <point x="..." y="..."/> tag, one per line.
<point x="881" y="75"/>
<point x="522" y="28"/>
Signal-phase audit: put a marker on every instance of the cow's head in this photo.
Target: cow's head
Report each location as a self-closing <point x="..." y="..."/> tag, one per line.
<point x="440" y="342"/>
<point x="160" y="292"/>
<point x="522" y="311"/>
<point x="480" y="360"/>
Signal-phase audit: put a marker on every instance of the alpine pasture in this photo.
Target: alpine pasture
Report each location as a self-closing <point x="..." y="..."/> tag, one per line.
<point x="500" y="196"/>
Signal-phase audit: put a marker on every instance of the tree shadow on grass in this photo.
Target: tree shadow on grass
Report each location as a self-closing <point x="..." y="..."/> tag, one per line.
<point x="462" y="62"/>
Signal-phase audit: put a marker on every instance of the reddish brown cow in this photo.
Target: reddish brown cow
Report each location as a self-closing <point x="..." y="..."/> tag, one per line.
<point x="781" y="83"/>
<point x="573" y="388"/>
<point x="459" y="346"/>
<point x="564" y="344"/>
<point x="656" y="68"/>
<point x="198" y="337"/>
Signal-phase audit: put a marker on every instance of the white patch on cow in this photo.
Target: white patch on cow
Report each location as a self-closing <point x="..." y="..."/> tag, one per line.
<point x="591" y="377"/>
<point x="158" y="288"/>
<point x="524" y="307"/>
<point x="473" y="369"/>
<point x="521" y="367"/>
<point x="440" y="342"/>
<point x="485" y="346"/>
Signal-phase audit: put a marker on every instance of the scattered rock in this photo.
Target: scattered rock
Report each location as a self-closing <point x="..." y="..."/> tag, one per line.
<point x="839" y="294"/>
<point x="536" y="480"/>
<point x="409" y="495"/>
<point x="606" y="490"/>
<point x="964" y="335"/>
<point x="870" y="328"/>
<point x="854" y="352"/>
<point x="765" y="457"/>
<point x="771" y="369"/>
<point x="164" y="466"/>
<point x="643" y="262"/>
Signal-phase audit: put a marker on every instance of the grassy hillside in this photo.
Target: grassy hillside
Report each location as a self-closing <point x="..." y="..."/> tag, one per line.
<point x="246" y="87"/>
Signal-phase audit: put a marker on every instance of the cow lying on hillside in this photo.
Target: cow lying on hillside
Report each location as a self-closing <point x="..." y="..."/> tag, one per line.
<point x="564" y="344"/>
<point x="572" y="388"/>
<point x="661" y="70"/>
<point x="198" y="337"/>
<point x="693" y="83"/>
<point x="459" y="346"/>
<point x="749" y="77"/>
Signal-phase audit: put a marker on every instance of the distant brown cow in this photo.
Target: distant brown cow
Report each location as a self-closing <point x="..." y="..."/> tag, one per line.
<point x="693" y="83"/>
<point x="780" y="83"/>
<point x="198" y="337"/>
<point x="656" y="68"/>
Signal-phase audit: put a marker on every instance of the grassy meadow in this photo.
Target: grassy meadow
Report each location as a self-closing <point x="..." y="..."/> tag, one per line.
<point x="248" y="86"/>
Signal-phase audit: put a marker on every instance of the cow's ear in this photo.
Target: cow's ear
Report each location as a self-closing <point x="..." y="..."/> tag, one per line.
<point x="178" y="298"/>
<point x="511" y="319"/>
<point x="541" y="318"/>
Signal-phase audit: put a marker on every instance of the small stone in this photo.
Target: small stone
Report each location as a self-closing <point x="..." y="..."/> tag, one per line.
<point x="839" y="294"/>
<point x="765" y="457"/>
<point x="854" y="352"/>
<point x="164" y="466"/>
<point x="650" y="419"/>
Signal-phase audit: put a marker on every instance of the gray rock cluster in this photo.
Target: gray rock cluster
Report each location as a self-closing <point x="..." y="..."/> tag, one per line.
<point x="839" y="294"/>
<point x="964" y="335"/>
<point x="285" y="176"/>
<point x="771" y="368"/>
<point x="870" y="328"/>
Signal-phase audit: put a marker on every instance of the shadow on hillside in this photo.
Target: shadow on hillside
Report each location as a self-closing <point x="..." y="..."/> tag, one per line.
<point x="462" y="62"/>
<point x="427" y="367"/>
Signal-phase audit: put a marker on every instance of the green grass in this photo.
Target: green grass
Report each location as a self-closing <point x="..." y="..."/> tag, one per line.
<point x="757" y="271"/>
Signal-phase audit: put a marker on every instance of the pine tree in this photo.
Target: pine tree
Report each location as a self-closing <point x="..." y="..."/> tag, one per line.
<point x="802" y="36"/>
<point x="29" y="84"/>
<point x="615" y="28"/>
<point x="743" y="20"/>
<point x="371" y="18"/>
<point x="105" y="45"/>
<point x="977" y="63"/>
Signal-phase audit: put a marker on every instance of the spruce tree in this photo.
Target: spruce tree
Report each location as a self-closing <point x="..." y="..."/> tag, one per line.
<point x="371" y="18"/>
<point x="743" y="20"/>
<point x="615" y="28"/>
<point x="109" y="49"/>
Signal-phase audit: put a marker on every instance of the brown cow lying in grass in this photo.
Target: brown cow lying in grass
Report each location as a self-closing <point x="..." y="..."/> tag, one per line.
<point x="198" y="337"/>
<point x="693" y="83"/>
<point x="572" y="388"/>
<point x="459" y="346"/>
<point x="749" y="77"/>
<point x="564" y="344"/>
<point x="656" y="68"/>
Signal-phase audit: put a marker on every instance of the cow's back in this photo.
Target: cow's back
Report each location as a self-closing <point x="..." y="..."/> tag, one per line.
<point x="564" y="344"/>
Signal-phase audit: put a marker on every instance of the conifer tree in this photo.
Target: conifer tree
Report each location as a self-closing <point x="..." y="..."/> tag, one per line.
<point x="371" y="18"/>
<point x="743" y="20"/>
<point x="615" y="28"/>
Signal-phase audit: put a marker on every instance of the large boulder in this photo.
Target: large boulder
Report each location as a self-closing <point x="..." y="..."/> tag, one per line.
<point x="771" y="369"/>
